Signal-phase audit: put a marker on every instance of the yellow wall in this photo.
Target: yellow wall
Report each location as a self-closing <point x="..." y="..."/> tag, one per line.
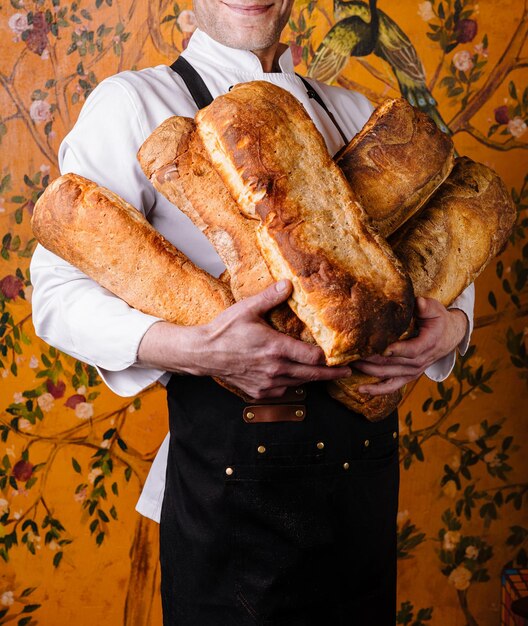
<point x="463" y="471"/>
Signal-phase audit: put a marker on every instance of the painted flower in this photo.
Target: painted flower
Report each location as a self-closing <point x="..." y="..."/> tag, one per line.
<point x="474" y="432"/>
<point x="185" y="41"/>
<point x="451" y="540"/>
<point x="84" y="410"/>
<point x="45" y="169"/>
<point x="37" y="38"/>
<point x="517" y="126"/>
<point x="97" y="471"/>
<point x="80" y="496"/>
<point x="7" y="598"/>
<point x="462" y="61"/>
<point x="480" y="49"/>
<point x="460" y="578"/>
<point x="501" y="115"/>
<point x="4" y="506"/>
<point x="22" y="470"/>
<point x="105" y="443"/>
<point x="492" y="459"/>
<point x="454" y="462"/>
<point x="40" y="111"/>
<point x="18" y="23"/>
<point x="296" y="52"/>
<point x="53" y="545"/>
<point x="45" y="402"/>
<point x="472" y="552"/>
<point x="24" y="424"/>
<point x="81" y="390"/>
<point x="450" y="489"/>
<point x="34" y="539"/>
<point x="187" y="21"/>
<point x="33" y="362"/>
<point x="402" y="517"/>
<point x="11" y="286"/>
<point x="18" y="397"/>
<point x="56" y="390"/>
<point x="425" y="11"/>
<point x="465" y="30"/>
<point x="74" y="400"/>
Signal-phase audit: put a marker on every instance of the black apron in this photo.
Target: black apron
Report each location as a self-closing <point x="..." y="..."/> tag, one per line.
<point x="285" y="523"/>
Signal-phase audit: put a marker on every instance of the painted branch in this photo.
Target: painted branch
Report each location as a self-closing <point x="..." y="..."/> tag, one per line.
<point x="495" y="78"/>
<point x="509" y="144"/>
<point x="155" y="9"/>
<point x="373" y="96"/>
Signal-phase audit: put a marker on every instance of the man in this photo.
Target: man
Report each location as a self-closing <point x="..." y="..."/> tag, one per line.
<point x="289" y="522"/>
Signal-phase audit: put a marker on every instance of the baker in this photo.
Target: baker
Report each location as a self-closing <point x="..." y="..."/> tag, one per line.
<point x="284" y="522"/>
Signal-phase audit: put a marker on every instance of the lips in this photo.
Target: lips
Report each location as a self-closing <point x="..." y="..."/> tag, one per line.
<point x="252" y="9"/>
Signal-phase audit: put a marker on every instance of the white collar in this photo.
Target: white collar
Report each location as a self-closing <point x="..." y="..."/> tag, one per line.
<point x="204" y="49"/>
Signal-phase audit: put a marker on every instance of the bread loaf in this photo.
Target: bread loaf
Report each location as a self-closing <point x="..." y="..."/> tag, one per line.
<point x="111" y="242"/>
<point x="174" y="160"/>
<point x="395" y="163"/>
<point x="463" y="227"/>
<point x="348" y="288"/>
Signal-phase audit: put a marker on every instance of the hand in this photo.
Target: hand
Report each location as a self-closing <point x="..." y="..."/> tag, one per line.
<point x="440" y="330"/>
<point x="240" y="347"/>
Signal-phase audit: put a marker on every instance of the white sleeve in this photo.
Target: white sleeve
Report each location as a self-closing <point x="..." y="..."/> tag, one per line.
<point x="151" y="498"/>
<point x="440" y="370"/>
<point x="71" y="311"/>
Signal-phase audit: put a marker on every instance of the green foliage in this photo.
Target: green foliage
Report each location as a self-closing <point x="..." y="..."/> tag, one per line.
<point x="406" y="616"/>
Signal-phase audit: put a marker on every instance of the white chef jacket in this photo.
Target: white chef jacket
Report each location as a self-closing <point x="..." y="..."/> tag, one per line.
<point x="81" y="318"/>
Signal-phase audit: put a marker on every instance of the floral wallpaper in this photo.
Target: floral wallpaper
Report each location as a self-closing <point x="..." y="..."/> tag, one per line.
<point x="74" y="457"/>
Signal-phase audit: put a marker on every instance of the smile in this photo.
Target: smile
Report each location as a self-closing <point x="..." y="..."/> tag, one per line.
<point x="255" y="9"/>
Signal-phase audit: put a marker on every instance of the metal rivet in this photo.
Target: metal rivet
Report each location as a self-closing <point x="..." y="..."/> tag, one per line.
<point x="299" y="391"/>
<point x="346" y="466"/>
<point x="261" y="449"/>
<point x="250" y="415"/>
<point x="394" y="435"/>
<point x="320" y="445"/>
<point x="229" y="471"/>
<point x="367" y="443"/>
<point x="299" y="413"/>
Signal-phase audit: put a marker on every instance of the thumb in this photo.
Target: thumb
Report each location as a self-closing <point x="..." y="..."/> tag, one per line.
<point x="268" y="298"/>
<point x="426" y="308"/>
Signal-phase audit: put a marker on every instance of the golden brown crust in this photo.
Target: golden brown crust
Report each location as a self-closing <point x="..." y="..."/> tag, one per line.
<point x="374" y="408"/>
<point x="186" y="177"/>
<point x="109" y="240"/>
<point x="395" y="163"/>
<point x="348" y="287"/>
<point x="463" y="227"/>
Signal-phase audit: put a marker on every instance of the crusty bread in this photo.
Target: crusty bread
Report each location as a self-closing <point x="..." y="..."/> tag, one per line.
<point x="174" y="160"/>
<point x="348" y="288"/>
<point x="463" y="227"/>
<point x="444" y="248"/>
<point x="395" y="163"/>
<point x="111" y="242"/>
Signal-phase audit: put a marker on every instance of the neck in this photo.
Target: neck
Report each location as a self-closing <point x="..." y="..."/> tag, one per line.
<point x="269" y="57"/>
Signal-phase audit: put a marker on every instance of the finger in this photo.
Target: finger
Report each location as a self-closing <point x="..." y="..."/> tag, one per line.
<point x="303" y="373"/>
<point x="300" y="352"/>
<point x="388" y="371"/>
<point x="428" y="308"/>
<point x="262" y="302"/>
<point x="378" y="359"/>
<point x="386" y="386"/>
<point x="413" y="348"/>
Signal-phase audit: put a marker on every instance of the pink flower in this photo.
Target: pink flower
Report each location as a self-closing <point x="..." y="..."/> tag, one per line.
<point x="425" y="11"/>
<point x="97" y="471"/>
<point x="18" y="23"/>
<point x="22" y="470"/>
<point x="465" y="30"/>
<point x="33" y="362"/>
<point x="187" y="21"/>
<point x="56" y="390"/>
<point x="185" y="41"/>
<point x="501" y="115"/>
<point x="296" y="52"/>
<point x="462" y="61"/>
<point x="45" y="402"/>
<point x="84" y="410"/>
<point x="480" y="49"/>
<point x="74" y="400"/>
<point x="11" y="286"/>
<point x="40" y="111"/>
<point x="80" y="496"/>
<point x="517" y="126"/>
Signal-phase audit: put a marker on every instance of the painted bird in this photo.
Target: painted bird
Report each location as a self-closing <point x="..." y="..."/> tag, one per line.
<point x="362" y="29"/>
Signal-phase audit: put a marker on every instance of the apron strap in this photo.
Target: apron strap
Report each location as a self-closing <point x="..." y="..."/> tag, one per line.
<point x="202" y="96"/>
<point x="193" y="81"/>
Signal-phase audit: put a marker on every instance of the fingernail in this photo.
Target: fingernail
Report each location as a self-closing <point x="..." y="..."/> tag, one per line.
<point x="282" y="285"/>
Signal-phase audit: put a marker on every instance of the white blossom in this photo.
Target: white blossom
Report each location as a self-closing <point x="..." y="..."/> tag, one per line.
<point x="460" y="578"/>
<point x="451" y="540"/>
<point x="187" y="21"/>
<point x="472" y="552"/>
<point x="517" y="126"/>
<point x="18" y="23"/>
<point x="84" y="410"/>
<point x="46" y="402"/>
<point x="40" y="111"/>
<point x="463" y="61"/>
<point x="7" y="598"/>
<point x="425" y="11"/>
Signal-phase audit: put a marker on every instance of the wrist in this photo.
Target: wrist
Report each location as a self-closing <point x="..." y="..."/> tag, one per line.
<point x="460" y="325"/>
